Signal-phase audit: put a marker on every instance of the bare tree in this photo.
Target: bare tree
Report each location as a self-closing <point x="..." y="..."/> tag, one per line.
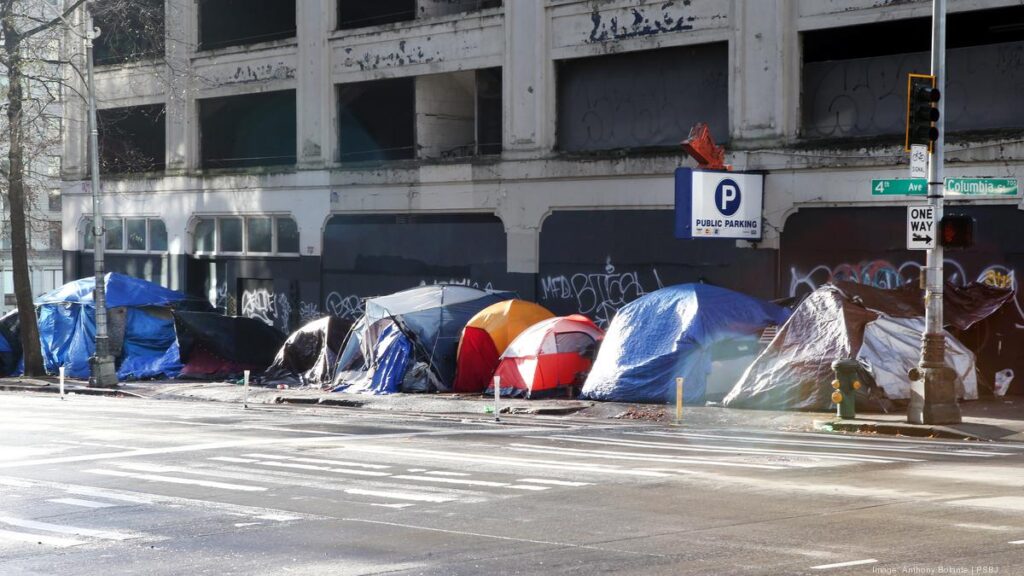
<point x="34" y="63"/>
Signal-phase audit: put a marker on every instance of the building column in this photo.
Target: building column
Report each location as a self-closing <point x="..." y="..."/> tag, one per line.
<point x="765" y="70"/>
<point x="181" y="41"/>
<point x="528" y="89"/>
<point x="314" y="92"/>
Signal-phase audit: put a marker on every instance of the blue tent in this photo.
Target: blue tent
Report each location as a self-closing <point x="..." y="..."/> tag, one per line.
<point x="670" y="333"/>
<point x="67" y="327"/>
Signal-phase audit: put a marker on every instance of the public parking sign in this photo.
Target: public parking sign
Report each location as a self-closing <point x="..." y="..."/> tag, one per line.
<point x="718" y="204"/>
<point x="920" y="227"/>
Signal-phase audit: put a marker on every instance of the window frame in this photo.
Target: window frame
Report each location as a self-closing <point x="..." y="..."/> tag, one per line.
<point x="88" y="245"/>
<point x="245" y="218"/>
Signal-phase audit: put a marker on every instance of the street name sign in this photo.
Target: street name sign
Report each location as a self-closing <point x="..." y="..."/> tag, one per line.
<point x="900" y="187"/>
<point x="981" y="186"/>
<point x="920" y="227"/>
<point x="718" y="204"/>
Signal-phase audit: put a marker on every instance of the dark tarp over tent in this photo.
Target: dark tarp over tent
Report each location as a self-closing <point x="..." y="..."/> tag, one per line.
<point x="428" y="320"/>
<point x="140" y="326"/>
<point x="309" y="354"/>
<point x="10" y="345"/>
<point x="794" y="372"/>
<point x="216" y="346"/>
<point x="670" y="333"/>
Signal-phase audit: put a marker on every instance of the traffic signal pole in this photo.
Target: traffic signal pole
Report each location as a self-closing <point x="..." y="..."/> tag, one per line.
<point x="933" y="386"/>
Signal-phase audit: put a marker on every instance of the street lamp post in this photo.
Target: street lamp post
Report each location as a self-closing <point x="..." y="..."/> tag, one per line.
<point x="102" y="373"/>
<point x="933" y="386"/>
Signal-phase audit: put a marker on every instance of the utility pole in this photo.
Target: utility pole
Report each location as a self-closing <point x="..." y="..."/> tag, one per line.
<point x="933" y="384"/>
<point x="101" y="364"/>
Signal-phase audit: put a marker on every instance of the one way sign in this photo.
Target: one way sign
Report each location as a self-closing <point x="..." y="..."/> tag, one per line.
<point x="920" y="227"/>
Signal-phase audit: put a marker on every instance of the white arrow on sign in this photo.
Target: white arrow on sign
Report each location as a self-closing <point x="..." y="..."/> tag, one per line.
<point x="920" y="227"/>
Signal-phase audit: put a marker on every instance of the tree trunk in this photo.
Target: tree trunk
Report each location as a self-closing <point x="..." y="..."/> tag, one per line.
<point x="16" y="195"/>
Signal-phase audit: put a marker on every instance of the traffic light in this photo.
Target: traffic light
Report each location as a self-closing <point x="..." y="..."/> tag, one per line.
<point x="956" y="231"/>
<point x="922" y="110"/>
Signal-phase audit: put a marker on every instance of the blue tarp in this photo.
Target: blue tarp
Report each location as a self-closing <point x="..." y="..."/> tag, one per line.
<point x="392" y="352"/>
<point x="668" y="334"/>
<point x="67" y="327"/>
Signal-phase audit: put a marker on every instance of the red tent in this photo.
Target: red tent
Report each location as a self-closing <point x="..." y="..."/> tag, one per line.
<point x="551" y="355"/>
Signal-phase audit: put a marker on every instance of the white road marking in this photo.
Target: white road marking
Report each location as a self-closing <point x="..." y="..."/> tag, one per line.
<point x="65" y="529"/>
<point x="300" y="466"/>
<point x="970" y="526"/>
<point x="728" y="449"/>
<point x="643" y="457"/>
<point x="232" y="459"/>
<point x="82" y="503"/>
<point x="446" y="473"/>
<point x="279" y="517"/>
<point x="416" y="470"/>
<point x="844" y="564"/>
<point x="319" y="461"/>
<point x="177" y="480"/>
<point x="506" y="461"/>
<point x="15" y="483"/>
<point x="1016" y="542"/>
<point x="528" y="487"/>
<point x="554" y="482"/>
<point x="1004" y="503"/>
<point x="451" y="480"/>
<point x="109" y="494"/>
<point x="244" y="524"/>
<point x="844" y="438"/>
<point x="881" y="445"/>
<point x="39" y="539"/>
<point x="398" y="495"/>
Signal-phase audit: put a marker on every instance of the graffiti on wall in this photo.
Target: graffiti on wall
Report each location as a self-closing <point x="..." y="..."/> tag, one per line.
<point x="259" y="304"/>
<point x="348" y="307"/>
<point x="309" y="311"/>
<point x="887" y="275"/>
<point x="597" y="295"/>
<point x="459" y="282"/>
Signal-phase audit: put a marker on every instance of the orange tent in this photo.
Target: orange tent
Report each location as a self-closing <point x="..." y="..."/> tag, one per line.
<point x="486" y="336"/>
<point x="550" y="355"/>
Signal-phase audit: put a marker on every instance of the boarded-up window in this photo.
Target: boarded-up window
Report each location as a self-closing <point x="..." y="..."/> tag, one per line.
<point x="132" y="139"/>
<point x="362" y="13"/>
<point x="858" y="88"/>
<point x="377" y="120"/>
<point x="249" y="130"/>
<point x="643" y="99"/>
<point x="237" y="22"/>
<point x="488" y="111"/>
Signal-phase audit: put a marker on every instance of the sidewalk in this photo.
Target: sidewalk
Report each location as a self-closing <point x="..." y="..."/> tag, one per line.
<point x="997" y="419"/>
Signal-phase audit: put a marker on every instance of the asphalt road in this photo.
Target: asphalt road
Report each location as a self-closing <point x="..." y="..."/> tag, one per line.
<point x="123" y="486"/>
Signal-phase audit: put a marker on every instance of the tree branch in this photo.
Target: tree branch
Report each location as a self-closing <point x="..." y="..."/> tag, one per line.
<point x="54" y="22"/>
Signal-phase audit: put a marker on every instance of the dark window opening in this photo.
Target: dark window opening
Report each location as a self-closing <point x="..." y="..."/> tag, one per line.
<point x="363" y="13"/>
<point x="238" y="22"/>
<point x="488" y="111"/>
<point x="128" y="33"/>
<point x="132" y="139"/>
<point x="433" y="8"/>
<point x="646" y="99"/>
<point x="249" y="130"/>
<point x="377" y="120"/>
<point x="854" y="79"/>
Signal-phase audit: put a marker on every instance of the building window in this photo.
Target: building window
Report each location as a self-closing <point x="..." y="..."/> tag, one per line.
<point x="361" y="13"/>
<point x="647" y="99"/>
<point x="126" y="235"/>
<point x="377" y="120"/>
<point x="55" y="235"/>
<point x="488" y="111"/>
<point x="248" y="130"/>
<point x="132" y="139"/>
<point x="238" y="22"/>
<point x="857" y="88"/>
<point x="250" y="235"/>
<point x="129" y="32"/>
<point x="54" y="200"/>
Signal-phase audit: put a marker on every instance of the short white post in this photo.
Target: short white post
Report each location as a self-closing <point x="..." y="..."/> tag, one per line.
<point x="61" y="382"/>
<point x="245" y="393"/>
<point x="497" y="395"/>
<point x="679" y="400"/>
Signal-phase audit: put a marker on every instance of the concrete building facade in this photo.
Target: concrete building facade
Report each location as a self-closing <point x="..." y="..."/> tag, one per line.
<point x="301" y="155"/>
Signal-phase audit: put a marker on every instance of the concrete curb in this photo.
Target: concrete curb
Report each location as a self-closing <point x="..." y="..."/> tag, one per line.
<point x="79" y="390"/>
<point x="895" y="429"/>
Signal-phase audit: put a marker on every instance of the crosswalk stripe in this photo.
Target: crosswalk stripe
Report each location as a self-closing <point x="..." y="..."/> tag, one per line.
<point x="233" y="460"/>
<point x="82" y="503"/>
<point x="642" y="457"/>
<point x="398" y="495"/>
<point x="39" y="539"/>
<point x="300" y="466"/>
<point x="319" y="461"/>
<point x="881" y="446"/>
<point x="64" y="529"/>
<point x="450" y="480"/>
<point x="177" y="480"/>
<point x="729" y="449"/>
<point x="554" y="482"/>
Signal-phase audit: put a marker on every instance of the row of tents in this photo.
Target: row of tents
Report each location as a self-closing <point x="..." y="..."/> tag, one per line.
<point x="727" y="346"/>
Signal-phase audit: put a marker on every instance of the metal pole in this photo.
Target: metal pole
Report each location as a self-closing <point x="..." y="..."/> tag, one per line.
<point x="497" y="396"/>
<point x="933" y="393"/>
<point x="679" y="400"/>
<point x="102" y="374"/>
<point x="61" y="382"/>
<point x="245" y="392"/>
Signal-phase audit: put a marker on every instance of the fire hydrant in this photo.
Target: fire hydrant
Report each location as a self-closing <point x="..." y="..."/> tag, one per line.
<point x="845" y="386"/>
